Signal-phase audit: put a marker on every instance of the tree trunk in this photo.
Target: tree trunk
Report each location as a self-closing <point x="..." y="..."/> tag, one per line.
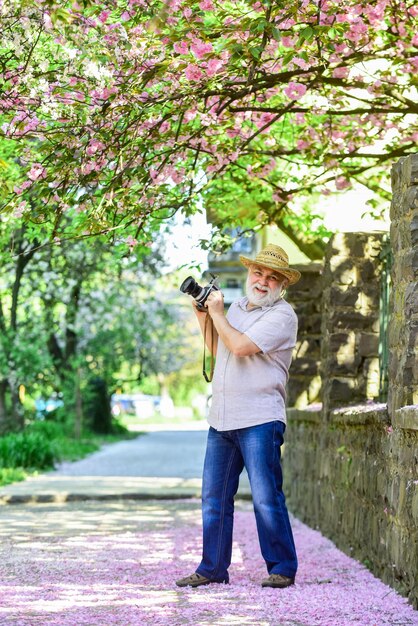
<point x="4" y="418"/>
<point x="78" y="422"/>
<point x="17" y="416"/>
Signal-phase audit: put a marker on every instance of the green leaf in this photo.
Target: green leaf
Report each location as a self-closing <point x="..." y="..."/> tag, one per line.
<point x="256" y="51"/>
<point x="307" y="33"/>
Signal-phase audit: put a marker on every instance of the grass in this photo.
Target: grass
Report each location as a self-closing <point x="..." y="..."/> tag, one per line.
<point x="43" y="444"/>
<point x="11" y="475"/>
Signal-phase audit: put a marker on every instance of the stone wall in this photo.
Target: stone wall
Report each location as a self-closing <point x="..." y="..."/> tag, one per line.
<point x="305" y="297"/>
<point x="403" y="332"/>
<point x="350" y="319"/>
<point x="355" y="478"/>
<point x="353" y="472"/>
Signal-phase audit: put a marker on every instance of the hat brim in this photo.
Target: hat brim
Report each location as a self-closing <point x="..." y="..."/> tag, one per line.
<point x="291" y="274"/>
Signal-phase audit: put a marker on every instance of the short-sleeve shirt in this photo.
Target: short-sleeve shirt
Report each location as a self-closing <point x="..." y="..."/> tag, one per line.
<point x="250" y="390"/>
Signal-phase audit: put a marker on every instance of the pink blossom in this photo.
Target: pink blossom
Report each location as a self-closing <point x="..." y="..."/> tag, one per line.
<point x="206" y="5"/>
<point x="48" y="22"/>
<point x="126" y="16"/>
<point x="277" y="197"/>
<point x="288" y="42"/>
<point x="201" y="49"/>
<point x="164" y="127"/>
<point x="93" y="146"/>
<point x="341" y="183"/>
<point x="264" y="118"/>
<point x="300" y="62"/>
<point x="187" y="12"/>
<point x="117" y="575"/>
<point x="294" y="91"/>
<point x="25" y="185"/>
<point x="213" y="65"/>
<point x="103" y="16"/>
<point x="181" y="47"/>
<point x="20" y="209"/>
<point x="37" y="171"/>
<point x="415" y="40"/>
<point x="87" y="168"/>
<point x="193" y="72"/>
<point x="341" y="72"/>
<point x="131" y="242"/>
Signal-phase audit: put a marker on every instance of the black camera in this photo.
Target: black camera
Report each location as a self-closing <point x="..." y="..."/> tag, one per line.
<point x="200" y="294"/>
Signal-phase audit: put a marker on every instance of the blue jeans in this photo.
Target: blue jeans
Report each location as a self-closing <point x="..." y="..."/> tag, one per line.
<point x="258" y="449"/>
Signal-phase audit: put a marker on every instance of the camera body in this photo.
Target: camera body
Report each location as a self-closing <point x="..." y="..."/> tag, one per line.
<point x="198" y="293"/>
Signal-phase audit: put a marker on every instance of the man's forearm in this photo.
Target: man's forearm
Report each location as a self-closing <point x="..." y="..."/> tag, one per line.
<point x="238" y="343"/>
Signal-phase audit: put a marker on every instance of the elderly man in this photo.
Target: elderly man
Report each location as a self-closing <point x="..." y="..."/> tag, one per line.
<point x="253" y="346"/>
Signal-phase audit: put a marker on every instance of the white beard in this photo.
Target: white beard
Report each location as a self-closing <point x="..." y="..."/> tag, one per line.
<point x="270" y="297"/>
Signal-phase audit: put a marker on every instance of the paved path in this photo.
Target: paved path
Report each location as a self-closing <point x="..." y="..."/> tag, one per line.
<point x="169" y="453"/>
<point x="109" y="561"/>
<point x="160" y="464"/>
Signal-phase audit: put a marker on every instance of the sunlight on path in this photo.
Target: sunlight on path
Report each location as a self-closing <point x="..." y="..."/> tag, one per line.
<point x="115" y="564"/>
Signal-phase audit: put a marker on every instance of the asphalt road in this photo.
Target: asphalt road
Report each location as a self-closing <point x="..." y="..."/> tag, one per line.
<point x="168" y="453"/>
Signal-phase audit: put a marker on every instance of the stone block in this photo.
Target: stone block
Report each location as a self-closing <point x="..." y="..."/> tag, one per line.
<point x="367" y="271"/>
<point x="343" y="365"/>
<point x="353" y="320"/>
<point x="307" y="346"/>
<point x="297" y="393"/>
<point x="310" y="283"/>
<point x="411" y="299"/>
<point x="414" y="228"/>
<point x="343" y="271"/>
<point x="406" y="418"/>
<point x="414" y="263"/>
<point x="415" y="507"/>
<point x="306" y="309"/>
<point x="350" y="245"/>
<point x="372" y="290"/>
<point x="344" y="295"/>
<point x="344" y="340"/>
<point x="310" y="325"/>
<point x="368" y="344"/>
<point x="371" y="376"/>
<point x="342" y="391"/>
<point x="304" y="366"/>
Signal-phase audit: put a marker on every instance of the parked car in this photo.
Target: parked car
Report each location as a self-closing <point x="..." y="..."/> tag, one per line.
<point x="138" y="404"/>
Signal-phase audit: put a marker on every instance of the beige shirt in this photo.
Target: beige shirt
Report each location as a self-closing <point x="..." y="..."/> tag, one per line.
<point x="250" y="390"/>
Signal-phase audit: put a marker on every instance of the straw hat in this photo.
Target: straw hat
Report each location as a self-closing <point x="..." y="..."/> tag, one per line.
<point x="275" y="258"/>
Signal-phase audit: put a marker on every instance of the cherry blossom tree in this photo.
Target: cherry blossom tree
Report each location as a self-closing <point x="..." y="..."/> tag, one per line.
<point x="123" y="112"/>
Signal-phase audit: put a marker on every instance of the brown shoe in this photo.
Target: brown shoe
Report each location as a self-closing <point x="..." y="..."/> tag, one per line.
<point x="194" y="580"/>
<point x="277" y="580"/>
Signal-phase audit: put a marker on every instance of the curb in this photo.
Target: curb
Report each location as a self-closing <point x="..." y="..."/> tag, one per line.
<point x="57" y="498"/>
<point x="52" y="488"/>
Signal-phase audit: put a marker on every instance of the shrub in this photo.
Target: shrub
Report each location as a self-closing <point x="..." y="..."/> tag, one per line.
<point x="28" y="449"/>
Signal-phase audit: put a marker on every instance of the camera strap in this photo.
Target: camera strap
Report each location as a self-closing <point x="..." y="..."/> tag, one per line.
<point x="208" y="378"/>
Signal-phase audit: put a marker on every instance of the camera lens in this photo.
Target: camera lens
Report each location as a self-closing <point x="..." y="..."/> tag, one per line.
<point x="191" y="287"/>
